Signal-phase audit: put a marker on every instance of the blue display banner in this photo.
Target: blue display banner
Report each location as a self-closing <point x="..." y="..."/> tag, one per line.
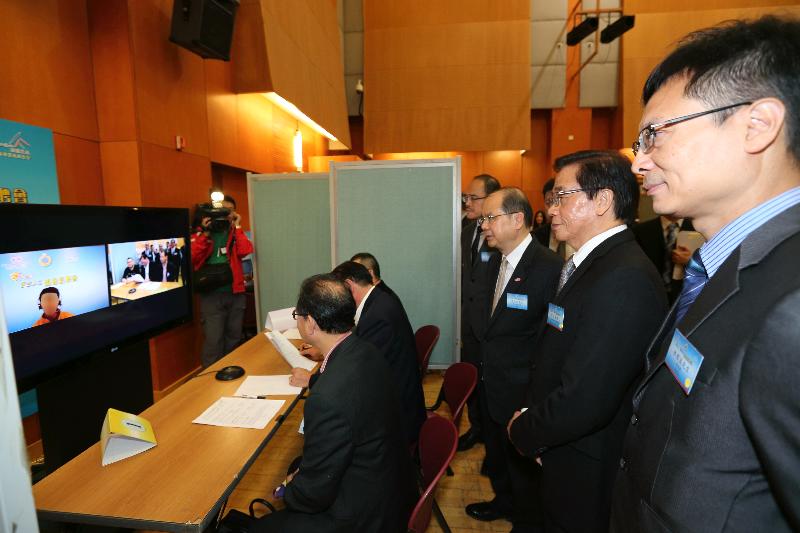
<point x="27" y="164"/>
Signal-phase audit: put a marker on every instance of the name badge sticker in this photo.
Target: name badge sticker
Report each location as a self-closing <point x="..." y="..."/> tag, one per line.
<point x="485" y="257"/>
<point x="555" y="316"/>
<point x="684" y="361"/>
<point x="517" y="301"/>
<point x="223" y="250"/>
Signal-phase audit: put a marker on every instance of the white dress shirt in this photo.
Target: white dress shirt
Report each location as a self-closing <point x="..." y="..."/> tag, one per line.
<point x="584" y="251"/>
<point x="360" y="307"/>
<point x="514" y="257"/>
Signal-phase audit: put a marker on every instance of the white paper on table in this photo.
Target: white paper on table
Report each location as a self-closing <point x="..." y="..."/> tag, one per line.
<point x="302" y="428"/>
<point x="288" y="350"/>
<point x="240" y="413"/>
<point x="267" y="386"/>
<point x="293" y="333"/>
<point x="150" y="285"/>
<point x="691" y="240"/>
<point x="136" y="278"/>
<point x="280" y="319"/>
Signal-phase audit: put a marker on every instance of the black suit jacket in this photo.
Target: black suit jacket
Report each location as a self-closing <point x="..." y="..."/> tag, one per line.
<point x="507" y="344"/>
<point x="583" y="377"/>
<point x="382" y="286"/>
<point x="650" y="236"/>
<point x="384" y="323"/>
<point x="474" y="284"/>
<point x="725" y="457"/>
<point x="156" y="272"/>
<point x="355" y="474"/>
<point x="542" y="234"/>
<point x="128" y="272"/>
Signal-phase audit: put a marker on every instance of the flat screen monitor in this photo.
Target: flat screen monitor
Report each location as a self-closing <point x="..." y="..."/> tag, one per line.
<point x="79" y="279"/>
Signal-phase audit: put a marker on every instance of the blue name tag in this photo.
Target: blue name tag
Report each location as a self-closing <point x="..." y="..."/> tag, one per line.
<point x="555" y="316"/>
<point x="485" y="257"/>
<point x="684" y="361"/>
<point x="517" y="301"/>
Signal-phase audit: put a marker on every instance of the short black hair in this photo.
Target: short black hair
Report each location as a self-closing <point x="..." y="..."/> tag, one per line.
<point x="144" y="256"/>
<point x="548" y="186"/>
<point x="515" y="201"/>
<point x="328" y="301"/>
<point x="606" y="169"/>
<point x="490" y="183"/>
<point x="230" y="199"/>
<point x="369" y="261"/>
<point x="355" y="272"/>
<point x="49" y="290"/>
<point x="739" y="61"/>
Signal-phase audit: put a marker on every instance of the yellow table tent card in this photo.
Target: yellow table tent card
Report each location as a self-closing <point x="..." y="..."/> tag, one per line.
<point x="124" y="435"/>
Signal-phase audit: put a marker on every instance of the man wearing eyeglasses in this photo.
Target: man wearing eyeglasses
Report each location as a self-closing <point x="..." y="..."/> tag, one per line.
<point x="475" y="255"/>
<point x="609" y="302"/>
<point x="513" y="308"/>
<point x="712" y="444"/>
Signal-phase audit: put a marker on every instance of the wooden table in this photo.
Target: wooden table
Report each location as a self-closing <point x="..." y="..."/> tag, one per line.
<point x="122" y="293"/>
<point x="181" y="484"/>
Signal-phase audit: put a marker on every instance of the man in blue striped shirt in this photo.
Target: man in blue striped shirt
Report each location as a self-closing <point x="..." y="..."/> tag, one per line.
<point x="713" y="441"/>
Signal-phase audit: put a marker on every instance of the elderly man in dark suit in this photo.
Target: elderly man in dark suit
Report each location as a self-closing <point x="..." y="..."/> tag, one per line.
<point x="380" y="320"/>
<point x="475" y="255"/>
<point x="713" y="441"/>
<point x="355" y="473"/>
<point x="374" y="268"/>
<point x="523" y="278"/>
<point x="609" y="302"/>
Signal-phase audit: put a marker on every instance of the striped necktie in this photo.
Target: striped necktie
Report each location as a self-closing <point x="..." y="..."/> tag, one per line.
<point x="694" y="281"/>
<point x="500" y="286"/>
<point x="566" y="272"/>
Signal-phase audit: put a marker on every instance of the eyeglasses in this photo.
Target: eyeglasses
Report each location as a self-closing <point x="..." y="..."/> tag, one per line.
<point x="491" y="218"/>
<point x="470" y="198"/>
<point x="295" y="314"/>
<point x="555" y="201"/>
<point x="647" y="137"/>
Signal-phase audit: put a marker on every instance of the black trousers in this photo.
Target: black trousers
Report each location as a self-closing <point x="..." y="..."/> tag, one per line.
<point x="470" y="353"/>
<point x="515" y="478"/>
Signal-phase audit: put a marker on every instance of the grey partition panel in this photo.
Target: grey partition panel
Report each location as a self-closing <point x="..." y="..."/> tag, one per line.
<point x="290" y="219"/>
<point x="406" y="213"/>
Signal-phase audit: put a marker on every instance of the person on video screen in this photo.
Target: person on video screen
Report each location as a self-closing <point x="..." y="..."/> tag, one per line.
<point x="131" y="269"/>
<point x="50" y="304"/>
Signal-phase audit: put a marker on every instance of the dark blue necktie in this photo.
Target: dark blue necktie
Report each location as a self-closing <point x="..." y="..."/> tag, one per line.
<point x="693" y="282"/>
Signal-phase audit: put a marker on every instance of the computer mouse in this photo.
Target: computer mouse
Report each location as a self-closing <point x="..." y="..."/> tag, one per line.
<point x="131" y="291"/>
<point x="230" y="373"/>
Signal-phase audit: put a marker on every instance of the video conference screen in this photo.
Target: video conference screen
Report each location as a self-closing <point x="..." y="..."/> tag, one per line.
<point x="75" y="280"/>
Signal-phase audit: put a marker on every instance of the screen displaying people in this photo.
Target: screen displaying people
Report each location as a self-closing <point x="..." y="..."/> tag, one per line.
<point x="143" y="268"/>
<point x="43" y="286"/>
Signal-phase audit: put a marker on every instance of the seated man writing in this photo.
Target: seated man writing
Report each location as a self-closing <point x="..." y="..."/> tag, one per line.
<point x="355" y="473"/>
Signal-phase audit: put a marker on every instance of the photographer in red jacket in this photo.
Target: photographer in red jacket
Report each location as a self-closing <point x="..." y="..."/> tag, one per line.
<point x="216" y="243"/>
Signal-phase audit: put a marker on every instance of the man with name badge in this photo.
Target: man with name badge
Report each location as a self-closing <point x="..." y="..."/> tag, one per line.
<point x="712" y="444"/>
<point x="475" y="255"/>
<point x="609" y="302"/>
<point x="524" y="280"/>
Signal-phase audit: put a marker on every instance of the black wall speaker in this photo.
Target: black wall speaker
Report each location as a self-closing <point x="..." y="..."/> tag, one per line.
<point x="204" y="26"/>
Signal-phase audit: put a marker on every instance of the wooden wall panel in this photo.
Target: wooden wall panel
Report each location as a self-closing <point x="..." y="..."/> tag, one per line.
<point x="169" y="80"/>
<point x="46" y="70"/>
<point x="175" y="353"/>
<point x="113" y="70"/>
<point x="80" y="179"/>
<point x="255" y="129"/>
<point x="474" y="97"/>
<point x="173" y="179"/>
<point x="223" y="131"/>
<point x="655" y="35"/>
<point x="121" y="173"/>
<point x="303" y="58"/>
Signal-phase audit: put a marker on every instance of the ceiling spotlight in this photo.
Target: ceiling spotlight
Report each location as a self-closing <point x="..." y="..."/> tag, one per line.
<point x="582" y="31"/>
<point x="617" y="28"/>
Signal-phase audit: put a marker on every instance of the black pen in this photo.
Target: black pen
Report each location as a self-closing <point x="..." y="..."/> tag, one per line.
<point x="253" y="397"/>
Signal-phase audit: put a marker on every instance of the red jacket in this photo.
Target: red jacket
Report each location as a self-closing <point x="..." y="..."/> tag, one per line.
<point x="202" y="247"/>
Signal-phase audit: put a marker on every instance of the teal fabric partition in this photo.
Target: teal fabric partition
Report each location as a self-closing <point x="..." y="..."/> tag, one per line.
<point x="407" y="214"/>
<point x="290" y="219"/>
